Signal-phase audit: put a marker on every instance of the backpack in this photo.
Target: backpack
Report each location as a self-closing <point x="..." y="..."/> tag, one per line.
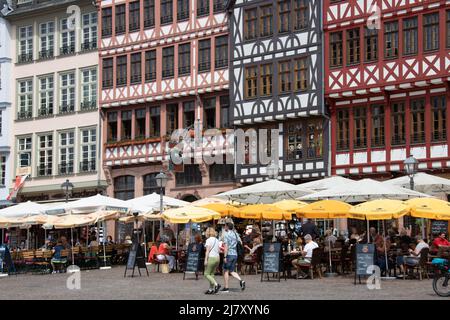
<point x="239" y="247"/>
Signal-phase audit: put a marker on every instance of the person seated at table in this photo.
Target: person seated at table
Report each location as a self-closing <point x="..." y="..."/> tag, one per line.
<point x="414" y="255"/>
<point x="109" y="240"/>
<point x="56" y="258"/>
<point x="164" y="253"/>
<point x="329" y="239"/>
<point x="382" y="246"/>
<point x="441" y="240"/>
<point x="93" y="242"/>
<point x="305" y="259"/>
<point x="128" y="240"/>
<point x="65" y="243"/>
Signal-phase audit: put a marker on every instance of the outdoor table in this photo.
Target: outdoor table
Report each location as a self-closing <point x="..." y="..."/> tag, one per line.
<point x="287" y="261"/>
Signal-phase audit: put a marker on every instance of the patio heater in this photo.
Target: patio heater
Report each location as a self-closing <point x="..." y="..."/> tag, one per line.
<point x="161" y="182"/>
<point x="67" y="188"/>
<point x="411" y="164"/>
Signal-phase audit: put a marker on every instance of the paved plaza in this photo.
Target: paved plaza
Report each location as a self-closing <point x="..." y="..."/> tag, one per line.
<point x="110" y="284"/>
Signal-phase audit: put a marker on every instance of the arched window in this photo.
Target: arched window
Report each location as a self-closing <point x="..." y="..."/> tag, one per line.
<point x="150" y="185"/>
<point x="124" y="187"/>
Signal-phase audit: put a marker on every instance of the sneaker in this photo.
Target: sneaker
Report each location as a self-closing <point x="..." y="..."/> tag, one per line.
<point x="217" y="288"/>
<point x="210" y="291"/>
<point x="225" y="290"/>
<point x="242" y="284"/>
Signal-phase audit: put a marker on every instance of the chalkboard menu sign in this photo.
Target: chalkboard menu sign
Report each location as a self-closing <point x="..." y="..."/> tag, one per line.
<point x="136" y="258"/>
<point x="438" y="226"/>
<point x="271" y="257"/>
<point x="194" y="255"/>
<point x="365" y="257"/>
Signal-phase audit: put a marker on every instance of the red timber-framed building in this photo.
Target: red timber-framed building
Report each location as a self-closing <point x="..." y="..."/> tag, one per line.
<point x="388" y="88"/>
<point x="164" y="67"/>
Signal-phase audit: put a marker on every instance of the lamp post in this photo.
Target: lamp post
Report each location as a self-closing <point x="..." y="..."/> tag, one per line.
<point x="411" y="164"/>
<point x="161" y="181"/>
<point x="67" y="188"/>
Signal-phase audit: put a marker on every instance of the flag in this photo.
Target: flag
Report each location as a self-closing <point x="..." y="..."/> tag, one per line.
<point x="18" y="184"/>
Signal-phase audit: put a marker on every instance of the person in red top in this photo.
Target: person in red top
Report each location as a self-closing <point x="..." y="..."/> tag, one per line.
<point x="441" y="241"/>
<point x="164" y="253"/>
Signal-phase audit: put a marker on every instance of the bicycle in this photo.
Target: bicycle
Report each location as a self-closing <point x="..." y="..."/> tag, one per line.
<point x="441" y="277"/>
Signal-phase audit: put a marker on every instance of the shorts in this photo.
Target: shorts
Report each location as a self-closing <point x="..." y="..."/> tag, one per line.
<point x="411" y="261"/>
<point x="230" y="265"/>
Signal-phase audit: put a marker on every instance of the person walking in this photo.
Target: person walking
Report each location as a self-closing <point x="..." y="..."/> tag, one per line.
<point x="231" y="240"/>
<point x="212" y="259"/>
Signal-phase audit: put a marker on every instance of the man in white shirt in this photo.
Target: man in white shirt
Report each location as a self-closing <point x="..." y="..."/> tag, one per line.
<point x="413" y="259"/>
<point x="305" y="259"/>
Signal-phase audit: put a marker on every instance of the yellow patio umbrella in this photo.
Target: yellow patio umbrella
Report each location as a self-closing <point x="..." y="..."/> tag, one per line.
<point x="209" y="200"/>
<point x="189" y="214"/>
<point x="222" y="208"/>
<point x="382" y="209"/>
<point x="291" y="206"/>
<point x="429" y="208"/>
<point x="263" y="211"/>
<point x="141" y="217"/>
<point x="325" y="209"/>
<point x="104" y="215"/>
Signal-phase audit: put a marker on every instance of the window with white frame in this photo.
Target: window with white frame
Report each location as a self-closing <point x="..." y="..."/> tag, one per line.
<point x="25" y="44"/>
<point x="67" y="92"/>
<point x="67" y="37"/>
<point x="46" y="35"/>
<point x="45" y="165"/>
<point x="88" y="150"/>
<point x="89" y="89"/>
<point x="66" y="152"/>
<point x="25" y="99"/>
<point x="89" y="40"/>
<point x="2" y="171"/>
<point x="24" y="152"/>
<point x="45" y="96"/>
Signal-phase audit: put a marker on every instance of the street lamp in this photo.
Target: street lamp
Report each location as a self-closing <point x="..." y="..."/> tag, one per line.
<point x="161" y="181"/>
<point x="411" y="164"/>
<point x="67" y="188"/>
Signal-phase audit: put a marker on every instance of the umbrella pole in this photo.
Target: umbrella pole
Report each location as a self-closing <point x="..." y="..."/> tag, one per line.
<point x="145" y="241"/>
<point x="368" y="235"/>
<point x="386" y="277"/>
<point x="105" y="267"/>
<point x="153" y="231"/>
<point x="71" y="249"/>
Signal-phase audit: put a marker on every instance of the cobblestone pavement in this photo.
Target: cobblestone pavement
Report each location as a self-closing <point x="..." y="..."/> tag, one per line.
<point x="110" y="284"/>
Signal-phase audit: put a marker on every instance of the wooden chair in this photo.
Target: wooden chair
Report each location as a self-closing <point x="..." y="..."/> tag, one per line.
<point x="316" y="263"/>
<point x="42" y="261"/>
<point x="254" y="263"/>
<point x="61" y="263"/>
<point x="421" y="267"/>
<point x="28" y="260"/>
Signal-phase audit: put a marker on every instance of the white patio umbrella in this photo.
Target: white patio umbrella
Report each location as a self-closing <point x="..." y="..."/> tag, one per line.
<point x="269" y="191"/>
<point x="23" y="209"/>
<point x="90" y="204"/>
<point x="423" y="182"/>
<point x="364" y="190"/>
<point x="327" y="183"/>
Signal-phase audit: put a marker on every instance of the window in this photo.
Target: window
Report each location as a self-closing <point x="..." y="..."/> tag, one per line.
<point x="301" y="74"/>
<point x="184" y="59"/>
<point x="202" y="8"/>
<point x="139" y="124"/>
<point x="182" y="10"/>
<point x="410" y="36"/>
<point x="126" y="125"/>
<point x="343" y="131"/>
<point x="124" y="187"/>
<point x="209" y="113"/>
<point x="149" y="13"/>
<point x="398" y="123"/>
<point x="24" y="152"/>
<point x="371" y="44"/>
<point x="188" y="114"/>
<point x="106" y="22"/>
<point x="121" y="70"/>
<point x="112" y="127"/>
<point x="155" y="122"/>
<point x="377" y="125"/>
<point x="2" y="170"/>
<point x="266" y="22"/>
<point x="120" y="19"/>
<point x="150" y="185"/>
<point x="172" y="117"/>
<point x="224" y="112"/>
<point x="25" y="99"/>
<point x="221" y="55"/>
<point x="107" y="68"/>
<point x="250" y="22"/>
<point x="166" y="11"/>
<point x="150" y="65"/>
<point x="168" y="62"/>
<point x="315" y="139"/>
<point x="448" y="28"/>
<point x="89" y="89"/>
<point x="284" y="76"/>
<point x="301" y="14"/>
<point x="89" y="40"/>
<point x="284" y="16"/>
<point x="67" y="90"/>
<point x="360" y="127"/>
<point x="88" y="150"/>
<point x="221" y="173"/>
<point x="67" y="37"/>
<point x="47" y="34"/>
<point x="251" y="85"/>
<point x="45" y="165"/>
<point x="265" y="80"/>
<point x="431" y="31"/>
<point x="191" y="175"/>
<point x="204" y="55"/>
<point x="417" y="114"/>
<point x="438" y="105"/>
<point x="295" y="141"/>
<point x="66" y="152"/>
<point x="25" y="44"/>
<point x="218" y="6"/>
<point x="136" y="69"/>
<point x="45" y="96"/>
<point x="336" y="49"/>
<point x="353" y="46"/>
<point x="391" y="39"/>
<point x="134" y="16"/>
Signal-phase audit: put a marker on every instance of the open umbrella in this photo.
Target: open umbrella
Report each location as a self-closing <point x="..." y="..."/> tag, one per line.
<point x="225" y="210"/>
<point x="327" y="183"/>
<point x="423" y="182"/>
<point x="325" y="209"/>
<point x="23" y="209"/>
<point x="141" y="217"/>
<point x="429" y="208"/>
<point x="263" y="212"/>
<point x="209" y="200"/>
<point x="290" y="205"/>
<point x="190" y="214"/>
<point x="90" y="204"/>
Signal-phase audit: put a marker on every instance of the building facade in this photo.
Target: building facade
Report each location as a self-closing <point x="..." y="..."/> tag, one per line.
<point x="55" y="128"/>
<point x="5" y="108"/>
<point x="164" y="67"/>
<point x="387" y="85"/>
<point x="275" y="83"/>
